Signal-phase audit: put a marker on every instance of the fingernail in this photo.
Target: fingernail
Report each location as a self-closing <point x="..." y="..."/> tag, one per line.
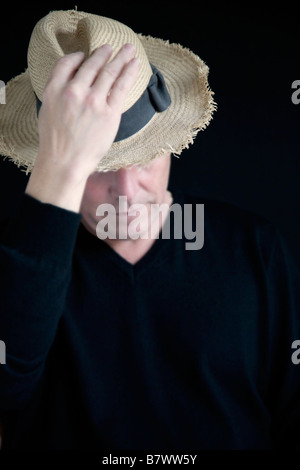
<point x="129" y="47"/>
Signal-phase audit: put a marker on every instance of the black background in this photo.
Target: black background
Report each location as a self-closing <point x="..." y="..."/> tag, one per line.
<point x="249" y="154"/>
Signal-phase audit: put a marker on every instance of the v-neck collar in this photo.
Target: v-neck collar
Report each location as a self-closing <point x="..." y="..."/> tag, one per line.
<point x="156" y="254"/>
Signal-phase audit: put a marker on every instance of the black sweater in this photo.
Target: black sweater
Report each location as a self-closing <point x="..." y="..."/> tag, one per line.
<point x="183" y="350"/>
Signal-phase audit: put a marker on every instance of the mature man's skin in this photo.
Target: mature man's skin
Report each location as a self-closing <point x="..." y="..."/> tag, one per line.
<point x="144" y="185"/>
<point x="79" y="119"/>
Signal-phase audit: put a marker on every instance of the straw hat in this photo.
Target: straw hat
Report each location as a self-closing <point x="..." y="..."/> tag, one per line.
<point x="176" y="76"/>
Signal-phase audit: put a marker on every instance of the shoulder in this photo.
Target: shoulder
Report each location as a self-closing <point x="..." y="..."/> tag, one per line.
<point x="228" y="214"/>
<point x="231" y="228"/>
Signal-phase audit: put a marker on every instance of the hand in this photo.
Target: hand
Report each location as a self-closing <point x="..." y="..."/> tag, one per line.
<point x="79" y="117"/>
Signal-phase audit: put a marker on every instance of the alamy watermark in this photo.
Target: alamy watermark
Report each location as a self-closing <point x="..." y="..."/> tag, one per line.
<point x="2" y="92"/>
<point x="296" y="94"/>
<point x="2" y="352"/>
<point x="143" y="221"/>
<point x="295" y="357"/>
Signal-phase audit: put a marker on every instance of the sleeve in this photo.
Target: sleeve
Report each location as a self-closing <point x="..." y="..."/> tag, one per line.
<point x="283" y="300"/>
<point x="36" y="249"/>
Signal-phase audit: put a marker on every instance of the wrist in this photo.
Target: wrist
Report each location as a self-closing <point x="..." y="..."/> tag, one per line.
<point x="61" y="187"/>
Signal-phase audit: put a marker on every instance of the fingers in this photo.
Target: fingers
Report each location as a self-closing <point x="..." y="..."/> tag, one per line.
<point x="123" y="84"/>
<point x="64" y="69"/>
<point x="88" y="72"/>
<point x="112" y="72"/>
<point x="96" y="79"/>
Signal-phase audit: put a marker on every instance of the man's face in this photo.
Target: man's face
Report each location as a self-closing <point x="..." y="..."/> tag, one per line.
<point x="144" y="185"/>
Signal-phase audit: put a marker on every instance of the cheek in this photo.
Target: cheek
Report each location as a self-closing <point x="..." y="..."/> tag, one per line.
<point x="159" y="180"/>
<point x="94" y="193"/>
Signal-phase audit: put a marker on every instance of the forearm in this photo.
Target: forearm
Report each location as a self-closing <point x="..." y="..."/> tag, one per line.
<point x="36" y="258"/>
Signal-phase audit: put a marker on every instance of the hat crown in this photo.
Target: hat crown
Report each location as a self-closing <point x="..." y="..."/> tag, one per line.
<point x="63" y="32"/>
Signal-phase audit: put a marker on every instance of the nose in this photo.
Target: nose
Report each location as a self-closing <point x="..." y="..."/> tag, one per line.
<point x="124" y="183"/>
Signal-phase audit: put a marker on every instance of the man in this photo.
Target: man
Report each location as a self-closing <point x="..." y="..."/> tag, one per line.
<point x="133" y="343"/>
